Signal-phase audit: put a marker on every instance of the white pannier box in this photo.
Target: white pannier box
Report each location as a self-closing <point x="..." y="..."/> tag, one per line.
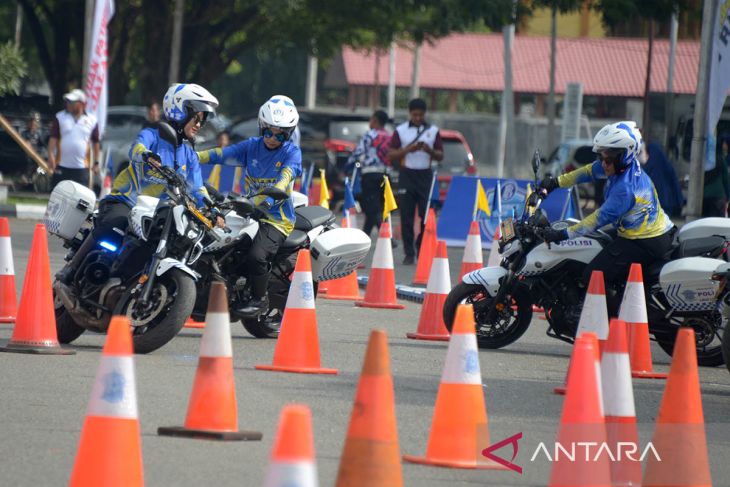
<point x="687" y="283"/>
<point x="338" y="252"/>
<point x="68" y="207"/>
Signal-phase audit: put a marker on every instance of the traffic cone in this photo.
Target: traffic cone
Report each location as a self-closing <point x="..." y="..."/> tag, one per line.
<point x="212" y="410"/>
<point x="618" y="404"/>
<point x="191" y="323"/>
<point x="110" y="450"/>
<point x="633" y="312"/>
<point x="427" y="250"/>
<point x="371" y="455"/>
<point x="380" y="291"/>
<point x="344" y="288"/>
<point x="431" y="323"/>
<point x="594" y="340"/>
<point x="297" y="348"/>
<point x="35" y="326"/>
<point x="494" y="256"/>
<point x="292" y="458"/>
<point x="106" y="187"/>
<point x="459" y="422"/>
<point x="679" y="438"/>
<point x="472" y="259"/>
<point x="8" y="299"/>
<point x="593" y="316"/>
<point x="582" y="421"/>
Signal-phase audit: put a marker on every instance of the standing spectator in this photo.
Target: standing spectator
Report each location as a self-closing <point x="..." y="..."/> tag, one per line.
<point x="153" y="116"/>
<point x="370" y="153"/>
<point x="415" y="144"/>
<point x="72" y="132"/>
<point x="37" y="138"/>
<point x="716" y="193"/>
<point x="664" y="177"/>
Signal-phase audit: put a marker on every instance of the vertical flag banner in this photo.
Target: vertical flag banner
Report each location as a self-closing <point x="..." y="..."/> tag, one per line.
<point x="719" y="77"/>
<point x="96" y="79"/>
<point x="214" y="179"/>
<point x="324" y="192"/>
<point x="481" y="204"/>
<point x="389" y="199"/>
<point x="349" y="201"/>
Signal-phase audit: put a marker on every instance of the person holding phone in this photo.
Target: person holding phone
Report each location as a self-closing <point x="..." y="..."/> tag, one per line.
<point x="415" y="144"/>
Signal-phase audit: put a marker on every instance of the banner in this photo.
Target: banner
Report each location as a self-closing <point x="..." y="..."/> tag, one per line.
<point x="96" y="78"/>
<point x="456" y="215"/>
<point x="719" y="77"/>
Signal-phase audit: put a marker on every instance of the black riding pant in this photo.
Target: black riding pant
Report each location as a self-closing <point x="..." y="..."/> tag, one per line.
<point x="372" y="200"/>
<point x="80" y="176"/>
<point x="265" y="245"/>
<point x="616" y="258"/>
<point x="414" y="185"/>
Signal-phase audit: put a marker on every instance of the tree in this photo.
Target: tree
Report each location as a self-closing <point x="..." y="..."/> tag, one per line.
<point x="12" y="69"/>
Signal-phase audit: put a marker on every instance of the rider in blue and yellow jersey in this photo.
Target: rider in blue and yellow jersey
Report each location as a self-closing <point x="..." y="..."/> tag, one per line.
<point x="645" y="233"/>
<point x="269" y="160"/>
<point x="186" y="108"/>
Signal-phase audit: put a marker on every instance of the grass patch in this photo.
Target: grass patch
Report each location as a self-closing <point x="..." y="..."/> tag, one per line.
<point x="23" y="200"/>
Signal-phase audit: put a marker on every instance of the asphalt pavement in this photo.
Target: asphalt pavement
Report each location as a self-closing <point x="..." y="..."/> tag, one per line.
<point x="44" y="398"/>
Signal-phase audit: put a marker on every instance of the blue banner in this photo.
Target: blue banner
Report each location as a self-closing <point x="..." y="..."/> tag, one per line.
<point x="456" y="215"/>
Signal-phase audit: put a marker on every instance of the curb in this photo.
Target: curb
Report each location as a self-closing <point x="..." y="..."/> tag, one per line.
<point x="23" y="211"/>
<point x="408" y="293"/>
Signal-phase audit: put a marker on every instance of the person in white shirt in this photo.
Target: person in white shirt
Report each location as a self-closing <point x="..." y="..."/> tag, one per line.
<point x="415" y="144"/>
<point x="73" y="133"/>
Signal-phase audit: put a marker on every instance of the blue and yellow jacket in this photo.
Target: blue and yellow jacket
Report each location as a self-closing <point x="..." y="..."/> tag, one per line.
<point x="631" y="203"/>
<point x="141" y="178"/>
<point x="263" y="167"/>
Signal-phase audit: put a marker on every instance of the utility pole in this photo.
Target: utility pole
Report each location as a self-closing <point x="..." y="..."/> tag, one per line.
<point x="18" y="25"/>
<point x="646" y="115"/>
<point x="88" y="25"/>
<point x="415" y="87"/>
<point x="506" y="109"/>
<point x="391" y="81"/>
<point x="669" y="107"/>
<point x="311" y="91"/>
<point x="551" y="94"/>
<point x="699" y="133"/>
<point x="177" y="25"/>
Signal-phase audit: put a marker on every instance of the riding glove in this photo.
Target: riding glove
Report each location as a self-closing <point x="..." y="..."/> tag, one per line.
<point x="552" y="235"/>
<point x="549" y="183"/>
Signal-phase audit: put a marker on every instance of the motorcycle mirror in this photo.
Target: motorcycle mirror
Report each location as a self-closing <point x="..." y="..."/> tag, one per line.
<point x="168" y="133"/>
<point x="536" y="162"/>
<point x="214" y="193"/>
<point x="275" y="193"/>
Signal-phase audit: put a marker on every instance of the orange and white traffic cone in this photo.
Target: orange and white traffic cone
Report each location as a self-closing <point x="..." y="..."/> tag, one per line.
<point x="371" y="455"/>
<point x="494" y="256"/>
<point x="582" y="421"/>
<point x="344" y="288"/>
<point x="380" y="291"/>
<point x="292" y="458"/>
<point x="618" y="404"/>
<point x="460" y="415"/>
<point x="35" y="326"/>
<point x="110" y="450"/>
<point x="431" y="322"/>
<point x="593" y="316"/>
<point x="297" y="348"/>
<point x="8" y="299"/>
<point x="106" y="188"/>
<point x="633" y="312"/>
<point x="212" y="410"/>
<point x="427" y="250"/>
<point x="679" y="438"/>
<point x="472" y="260"/>
<point x="191" y="323"/>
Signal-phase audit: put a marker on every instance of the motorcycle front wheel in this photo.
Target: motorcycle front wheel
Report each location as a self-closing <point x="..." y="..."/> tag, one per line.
<point x="172" y="300"/>
<point x="510" y="323"/>
<point x="726" y="346"/>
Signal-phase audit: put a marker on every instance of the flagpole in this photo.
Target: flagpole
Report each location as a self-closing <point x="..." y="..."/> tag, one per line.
<point x="354" y="175"/>
<point x="430" y="192"/>
<point x="476" y="202"/>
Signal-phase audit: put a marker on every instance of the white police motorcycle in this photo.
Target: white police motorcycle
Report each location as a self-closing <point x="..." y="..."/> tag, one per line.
<point x="679" y="293"/>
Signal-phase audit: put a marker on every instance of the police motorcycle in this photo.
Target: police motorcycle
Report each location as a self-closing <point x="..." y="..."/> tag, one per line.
<point x="143" y="274"/>
<point x="679" y="293"/>
<point x="335" y="252"/>
<point x="722" y="275"/>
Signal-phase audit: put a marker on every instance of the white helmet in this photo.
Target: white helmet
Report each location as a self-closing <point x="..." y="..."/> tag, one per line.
<point x="622" y="136"/>
<point x="183" y="100"/>
<point x="279" y="111"/>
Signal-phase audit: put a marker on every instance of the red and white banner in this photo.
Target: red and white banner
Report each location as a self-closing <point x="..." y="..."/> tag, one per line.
<point x="96" y="79"/>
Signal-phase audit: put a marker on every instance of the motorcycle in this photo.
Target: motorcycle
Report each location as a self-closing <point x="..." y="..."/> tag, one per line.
<point x="335" y="253"/>
<point x="143" y="274"/>
<point x="721" y="275"/>
<point x="533" y="273"/>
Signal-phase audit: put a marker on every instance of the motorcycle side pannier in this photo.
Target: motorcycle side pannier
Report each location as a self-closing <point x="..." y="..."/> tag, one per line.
<point x="68" y="207"/>
<point x="687" y="283"/>
<point x="338" y="252"/>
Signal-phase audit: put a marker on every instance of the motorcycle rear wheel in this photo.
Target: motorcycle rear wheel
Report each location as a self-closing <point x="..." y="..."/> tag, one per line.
<point x="706" y="356"/>
<point x="490" y="335"/>
<point x="726" y="346"/>
<point x="267" y="324"/>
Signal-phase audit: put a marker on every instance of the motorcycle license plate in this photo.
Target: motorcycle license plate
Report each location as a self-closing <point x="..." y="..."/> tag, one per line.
<point x="506" y="230"/>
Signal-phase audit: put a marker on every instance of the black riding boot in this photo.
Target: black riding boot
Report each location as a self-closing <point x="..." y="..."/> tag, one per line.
<point x="66" y="274"/>
<point x="259" y="298"/>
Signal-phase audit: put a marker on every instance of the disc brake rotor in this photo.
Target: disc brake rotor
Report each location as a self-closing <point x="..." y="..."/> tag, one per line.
<point x="159" y="299"/>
